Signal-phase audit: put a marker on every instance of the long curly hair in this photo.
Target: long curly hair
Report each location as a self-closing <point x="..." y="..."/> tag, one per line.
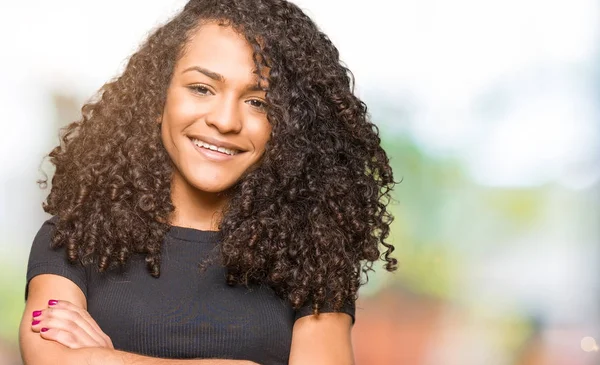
<point x="309" y="221"/>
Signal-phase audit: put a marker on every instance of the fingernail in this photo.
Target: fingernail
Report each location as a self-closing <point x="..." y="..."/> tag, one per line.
<point x="52" y="302"/>
<point x="37" y="313"/>
<point x="35" y="322"/>
<point x="44" y="329"/>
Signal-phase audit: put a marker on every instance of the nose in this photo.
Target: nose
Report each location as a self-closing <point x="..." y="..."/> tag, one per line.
<point x="225" y="116"/>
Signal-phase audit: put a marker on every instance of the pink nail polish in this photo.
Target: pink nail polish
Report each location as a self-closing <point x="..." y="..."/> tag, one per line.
<point x="37" y="313"/>
<point x="35" y="322"/>
<point x="52" y="302"/>
<point x="44" y="329"/>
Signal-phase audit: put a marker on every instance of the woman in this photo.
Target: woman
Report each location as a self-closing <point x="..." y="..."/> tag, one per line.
<point x="218" y="202"/>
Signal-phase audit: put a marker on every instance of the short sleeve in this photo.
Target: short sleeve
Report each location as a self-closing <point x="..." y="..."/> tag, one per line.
<point x="43" y="259"/>
<point x="348" y="308"/>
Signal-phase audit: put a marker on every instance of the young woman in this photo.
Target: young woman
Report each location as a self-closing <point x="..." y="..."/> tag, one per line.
<point x="218" y="203"/>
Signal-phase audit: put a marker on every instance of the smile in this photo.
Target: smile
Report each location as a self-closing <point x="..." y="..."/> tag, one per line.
<point x="212" y="147"/>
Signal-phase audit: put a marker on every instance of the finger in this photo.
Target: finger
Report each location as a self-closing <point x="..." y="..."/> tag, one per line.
<point x="109" y="343"/>
<point x="64" y="304"/>
<point x="63" y="337"/>
<point x="36" y="314"/>
<point x="70" y="320"/>
<point x="69" y="338"/>
<point x="37" y="320"/>
<point x="80" y="336"/>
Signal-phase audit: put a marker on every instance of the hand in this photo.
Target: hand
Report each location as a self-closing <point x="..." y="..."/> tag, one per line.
<point x="69" y="325"/>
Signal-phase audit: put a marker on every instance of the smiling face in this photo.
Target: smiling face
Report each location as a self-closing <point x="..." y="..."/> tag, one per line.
<point x="214" y="123"/>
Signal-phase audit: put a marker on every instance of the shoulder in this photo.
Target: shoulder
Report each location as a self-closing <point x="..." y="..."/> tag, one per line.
<point x="47" y="229"/>
<point x="42" y="250"/>
<point x="42" y="243"/>
<point x="45" y="259"/>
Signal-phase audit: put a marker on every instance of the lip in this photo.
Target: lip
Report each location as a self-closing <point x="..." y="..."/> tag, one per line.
<point x="217" y="143"/>
<point x="212" y="155"/>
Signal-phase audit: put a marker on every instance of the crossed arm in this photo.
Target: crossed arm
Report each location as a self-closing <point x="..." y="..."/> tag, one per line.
<point x="317" y="341"/>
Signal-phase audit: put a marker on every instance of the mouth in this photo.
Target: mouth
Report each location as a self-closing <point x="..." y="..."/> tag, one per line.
<point x="214" y="148"/>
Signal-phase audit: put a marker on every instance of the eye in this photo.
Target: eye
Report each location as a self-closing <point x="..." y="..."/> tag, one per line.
<point x="200" y="90"/>
<point x="258" y="104"/>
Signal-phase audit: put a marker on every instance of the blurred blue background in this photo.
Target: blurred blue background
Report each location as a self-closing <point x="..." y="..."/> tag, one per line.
<point x="489" y="111"/>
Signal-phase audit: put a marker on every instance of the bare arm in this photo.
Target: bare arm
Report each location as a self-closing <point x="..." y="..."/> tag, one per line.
<point x="36" y="350"/>
<point x="322" y="340"/>
<point x="100" y="356"/>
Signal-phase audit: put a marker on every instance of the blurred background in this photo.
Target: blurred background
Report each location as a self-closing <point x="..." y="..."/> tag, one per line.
<point x="489" y="111"/>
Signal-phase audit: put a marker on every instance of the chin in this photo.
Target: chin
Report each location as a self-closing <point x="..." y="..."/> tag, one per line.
<point x="211" y="186"/>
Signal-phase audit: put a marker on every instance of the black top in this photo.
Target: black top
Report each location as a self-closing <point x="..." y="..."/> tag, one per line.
<point x="183" y="314"/>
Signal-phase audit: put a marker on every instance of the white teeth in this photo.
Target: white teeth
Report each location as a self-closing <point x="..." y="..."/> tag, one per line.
<point x="227" y="151"/>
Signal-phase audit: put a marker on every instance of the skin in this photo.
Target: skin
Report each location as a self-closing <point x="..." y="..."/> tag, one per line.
<point x="212" y="95"/>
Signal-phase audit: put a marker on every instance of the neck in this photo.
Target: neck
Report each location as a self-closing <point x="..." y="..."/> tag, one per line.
<point x="195" y="208"/>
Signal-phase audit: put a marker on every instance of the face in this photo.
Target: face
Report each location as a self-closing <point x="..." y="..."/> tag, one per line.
<point x="214" y="123"/>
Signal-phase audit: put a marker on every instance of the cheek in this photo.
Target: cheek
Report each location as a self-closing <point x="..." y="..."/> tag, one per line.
<point x="180" y="111"/>
<point x="261" y="134"/>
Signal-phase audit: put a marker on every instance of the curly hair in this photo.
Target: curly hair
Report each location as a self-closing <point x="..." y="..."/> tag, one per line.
<point x="309" y="221"/>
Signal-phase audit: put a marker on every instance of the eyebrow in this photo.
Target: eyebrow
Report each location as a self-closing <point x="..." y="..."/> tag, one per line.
<point x="213" y="75"/>
<point x="218" y="77"/>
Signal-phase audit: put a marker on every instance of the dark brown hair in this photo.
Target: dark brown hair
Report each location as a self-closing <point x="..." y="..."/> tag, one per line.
<point x="309" y="221"/>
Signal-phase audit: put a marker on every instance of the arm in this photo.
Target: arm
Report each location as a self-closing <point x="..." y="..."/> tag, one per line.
<point x="103" y="356"/>
<point x="36" y="350"/>
<point x="322" y="340"/>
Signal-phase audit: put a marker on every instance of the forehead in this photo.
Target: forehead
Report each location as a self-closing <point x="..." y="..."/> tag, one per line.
<point x="220" y="49"/>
